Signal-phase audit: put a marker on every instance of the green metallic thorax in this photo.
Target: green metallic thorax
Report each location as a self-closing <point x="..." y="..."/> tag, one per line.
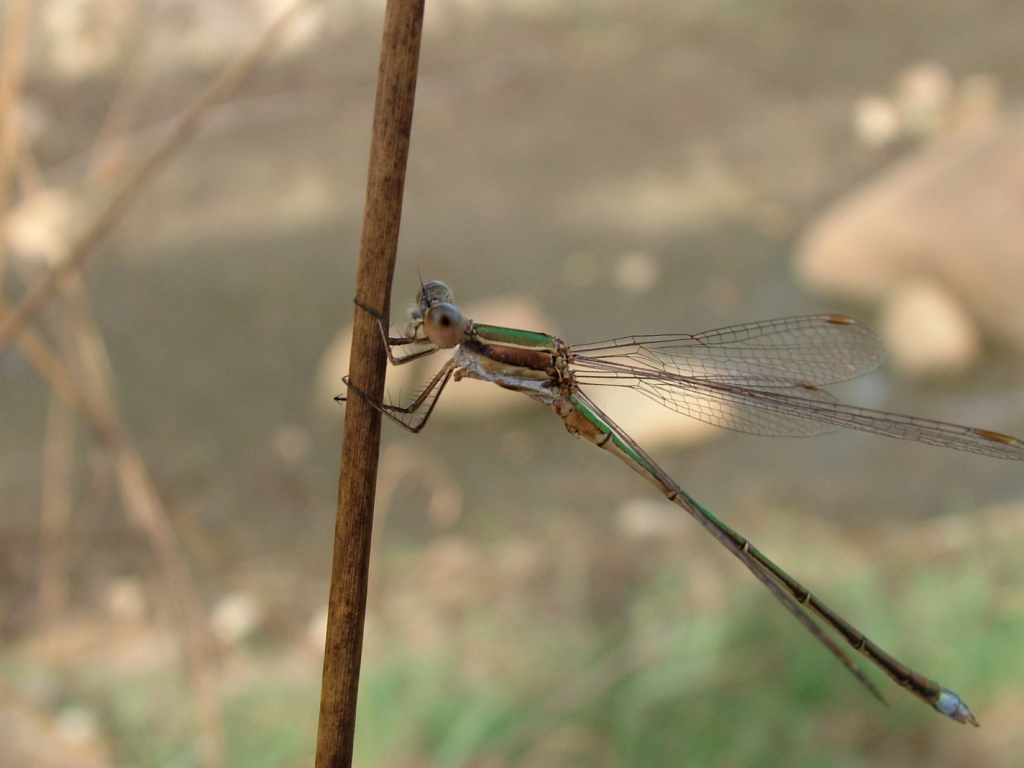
<point x="514" y="337"/>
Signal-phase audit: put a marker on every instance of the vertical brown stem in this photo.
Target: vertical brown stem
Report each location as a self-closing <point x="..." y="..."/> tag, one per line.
<point x="389" y="150"/>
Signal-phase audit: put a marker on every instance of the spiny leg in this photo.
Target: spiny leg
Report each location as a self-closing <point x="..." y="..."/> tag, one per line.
<point x="397" y="341"/>
<point x="389" y="342"/>
<point x="421" y="408"/>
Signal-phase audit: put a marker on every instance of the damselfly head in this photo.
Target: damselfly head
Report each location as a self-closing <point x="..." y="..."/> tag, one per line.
<point x="430" y="294"/>
<point x="444" y="325"/>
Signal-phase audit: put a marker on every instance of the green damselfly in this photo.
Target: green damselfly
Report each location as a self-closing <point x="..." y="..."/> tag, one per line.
<point x="762" y="378"/>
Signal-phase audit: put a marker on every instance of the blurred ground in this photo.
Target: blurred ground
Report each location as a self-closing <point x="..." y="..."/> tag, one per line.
<point x="551" y="144"/>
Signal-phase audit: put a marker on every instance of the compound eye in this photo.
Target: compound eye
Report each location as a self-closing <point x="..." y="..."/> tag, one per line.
<point x="444" y="325"/>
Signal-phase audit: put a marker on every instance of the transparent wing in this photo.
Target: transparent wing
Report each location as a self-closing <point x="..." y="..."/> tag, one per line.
<point x="763" y="378"/>
<point x="813" y="349"/>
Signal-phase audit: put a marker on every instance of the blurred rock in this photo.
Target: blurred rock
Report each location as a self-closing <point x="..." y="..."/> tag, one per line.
<point x="926" y="332"/>
<point x="953" y="215"/>
<point x="125" y="599"/>
<point x="29" y="736"/>
<point x="927" y="104"/>
<point x="235" y="618"/>
<point x="876" y="121"/>
<point x="41" y="227"/>
<point x="637" y="272"/>
<point x="86" y="37"/>
<point x="924" y="95"/>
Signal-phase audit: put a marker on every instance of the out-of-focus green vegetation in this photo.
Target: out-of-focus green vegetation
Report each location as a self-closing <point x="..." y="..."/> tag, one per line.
<point x="484" y="666"/>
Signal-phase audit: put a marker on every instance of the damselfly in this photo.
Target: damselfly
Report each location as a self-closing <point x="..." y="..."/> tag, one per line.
<point x="763" y="378"/>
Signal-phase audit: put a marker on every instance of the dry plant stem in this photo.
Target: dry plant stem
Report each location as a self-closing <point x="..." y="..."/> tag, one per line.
<point x="92" y="399"/>
<point x="146" y="512"/>
<point x="136" y="487"/>
<point x="67" y="394"/>
<point x="114" y="132"/>
<point x="91" y="392"/>
<point x="13" y="52"/>
<point x="48" y="365"/>
<point x="389" y="151"/>
<point x="228" y="81"/>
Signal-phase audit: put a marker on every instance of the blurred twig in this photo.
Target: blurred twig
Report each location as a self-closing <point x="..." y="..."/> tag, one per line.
<point x="82" y="377"/>
<point x="50" y="367"/>
<point x="90" y="391"/>
<point x="121" y="201"/>
<point x="147" y="512"/>
<point x="389" y="151"/>
<point x="13" y="53"/>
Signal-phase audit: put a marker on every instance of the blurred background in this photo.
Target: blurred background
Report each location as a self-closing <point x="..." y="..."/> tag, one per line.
<point x="169" y="442"/>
